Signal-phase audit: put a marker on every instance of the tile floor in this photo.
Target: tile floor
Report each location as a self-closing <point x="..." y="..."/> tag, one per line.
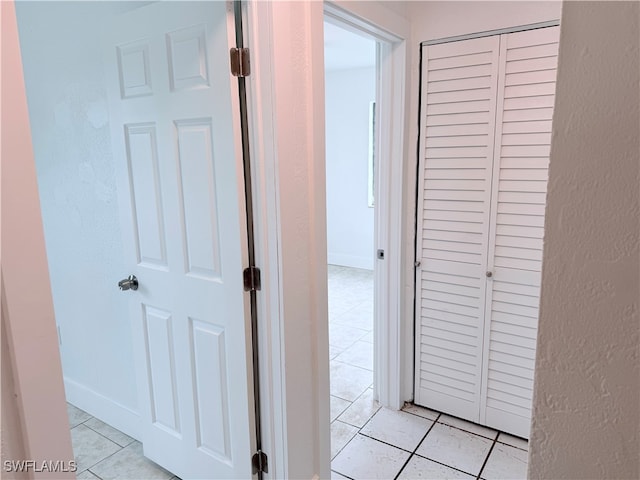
<point x="102" y="452"/>
<point x="369" y="442"/>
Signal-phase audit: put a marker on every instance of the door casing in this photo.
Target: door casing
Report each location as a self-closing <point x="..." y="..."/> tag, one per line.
<point x="290" y="166"/>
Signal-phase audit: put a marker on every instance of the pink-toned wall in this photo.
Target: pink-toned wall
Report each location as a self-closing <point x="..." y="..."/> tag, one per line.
<point x="27" y="304"/>
<point x="11" y="420"/>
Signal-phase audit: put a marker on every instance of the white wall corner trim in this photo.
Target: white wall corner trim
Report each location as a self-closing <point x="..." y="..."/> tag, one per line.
<point x="286" y="105"/>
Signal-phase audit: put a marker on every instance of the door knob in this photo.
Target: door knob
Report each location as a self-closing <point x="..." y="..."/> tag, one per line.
<point x="489" y="274"/>
<point x="131" y="282"/>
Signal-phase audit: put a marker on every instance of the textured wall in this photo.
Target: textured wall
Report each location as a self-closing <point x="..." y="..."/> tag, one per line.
<point x="587" y="389"/>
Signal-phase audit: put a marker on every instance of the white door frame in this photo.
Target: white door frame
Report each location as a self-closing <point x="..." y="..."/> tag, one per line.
<point x="389" y="366"/>
<point x="286" y="110"/>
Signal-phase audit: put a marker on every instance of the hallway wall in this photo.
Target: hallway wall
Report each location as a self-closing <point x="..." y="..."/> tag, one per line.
<point x="66" y="93"/>
<point x="586" y="417"/>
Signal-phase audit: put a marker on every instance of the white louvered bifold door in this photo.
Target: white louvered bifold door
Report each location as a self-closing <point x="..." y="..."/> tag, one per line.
<point x="459" y="97"/>
<point x="526" y="89"/>
<point x="486" y="112"/>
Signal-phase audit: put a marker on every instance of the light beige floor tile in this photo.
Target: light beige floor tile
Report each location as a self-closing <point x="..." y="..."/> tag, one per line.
<point x="357" y="317"/>
<point x="349" y="382"/>
<point x="456" y="448"/>
<point x="130" y="463"/>
<point x="468" y="426"/>
<point x="343" y="336"/>
<point x="90" y="447"/>
<point x="400" y="429"/>
<point x="513" y="441"/>
<point x="360" y="354"/>
<point x="337" y="406"/>
<point x="76" y="416"/>
<point x="366" y="458"/>
<point x="361" y="410"/>
<point x="506" y="462"/>
<point x="421" y="411"/>
<point x="338" y="306"/>
<point x="419" y="467"/>
<point x="334" y="351"/>
<point x="341" y="434"/>
<point x="108" y="431"/>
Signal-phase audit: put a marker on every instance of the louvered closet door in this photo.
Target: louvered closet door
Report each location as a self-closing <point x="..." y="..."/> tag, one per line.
<point x="459" y="108"/>
<point x="486" y="115"/>
<point x="526" y="89"/>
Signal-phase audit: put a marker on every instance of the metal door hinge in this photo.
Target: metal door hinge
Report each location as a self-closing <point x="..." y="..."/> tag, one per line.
<point x="251" y="277"/>
<point x="240" y="62"/>
<point x="260" y="462"/>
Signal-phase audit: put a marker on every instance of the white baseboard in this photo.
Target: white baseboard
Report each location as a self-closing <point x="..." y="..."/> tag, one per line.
<point x="353" y="261"/>
<point x="103" y="408"/>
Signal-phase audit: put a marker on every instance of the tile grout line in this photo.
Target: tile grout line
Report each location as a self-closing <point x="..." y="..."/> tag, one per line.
<point x="469" y="431"/>
<point x="357" y="433"/>
<point x="433" y="423"/>
<point x="101" y="434"/>
<point x="120" y="448"/>
<point x="350" y="364"/>
<point x="342" y="474"/>
<point x="445" y="465"/>
<point x="350" y="405"/>
<point x="484" y="464"/>
<point x="109" y="456"/>
<point x="494" y="441"/>
<point x="420" y="416"/>
<point x="437" y="420"/>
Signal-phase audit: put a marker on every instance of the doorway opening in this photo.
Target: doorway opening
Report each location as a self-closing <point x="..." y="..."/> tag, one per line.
<point x="351" y="74"/>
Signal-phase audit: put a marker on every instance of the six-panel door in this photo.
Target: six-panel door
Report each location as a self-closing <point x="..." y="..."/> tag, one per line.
<point x="176" y="135"/>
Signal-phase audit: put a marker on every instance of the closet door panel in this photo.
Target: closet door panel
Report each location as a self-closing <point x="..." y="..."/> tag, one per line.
<point x="458" y="124"/>
<point x="526" y="89"/>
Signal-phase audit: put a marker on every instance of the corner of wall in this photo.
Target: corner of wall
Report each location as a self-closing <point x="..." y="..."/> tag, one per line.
<point x="27" y="304"/>
<point x="586" y="406"/>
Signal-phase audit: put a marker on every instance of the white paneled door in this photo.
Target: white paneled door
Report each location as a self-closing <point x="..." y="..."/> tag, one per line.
<point x="175" y="133"/>
<point x="486" y="115"/>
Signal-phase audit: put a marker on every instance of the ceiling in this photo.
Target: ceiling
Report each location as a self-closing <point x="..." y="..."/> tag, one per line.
<point x="344" y="49"/>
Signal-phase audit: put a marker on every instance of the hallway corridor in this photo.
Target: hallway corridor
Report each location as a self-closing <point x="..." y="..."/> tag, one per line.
<point x="369" y="442"/>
